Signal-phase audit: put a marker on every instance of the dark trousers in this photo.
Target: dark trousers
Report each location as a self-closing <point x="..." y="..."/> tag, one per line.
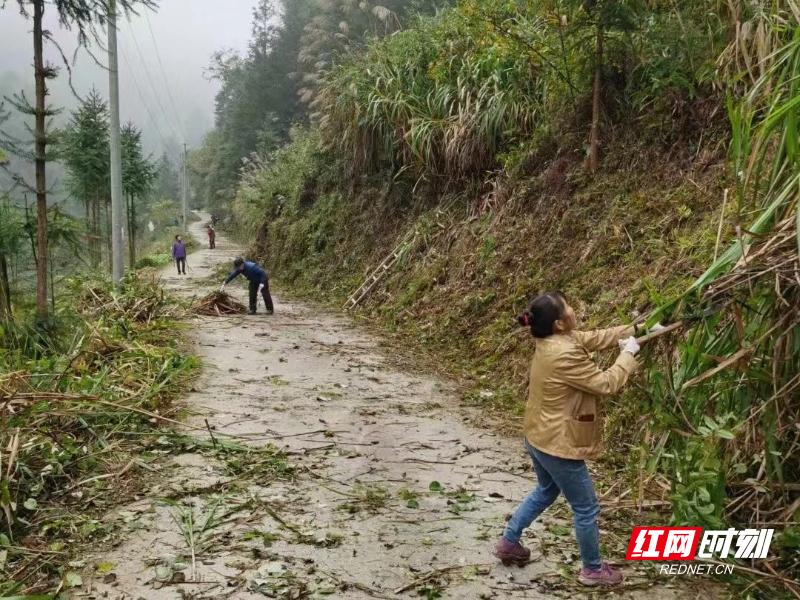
<point x="181" y="262"/>
<point x="211" y="242"/>
<point x="264" y="293"/>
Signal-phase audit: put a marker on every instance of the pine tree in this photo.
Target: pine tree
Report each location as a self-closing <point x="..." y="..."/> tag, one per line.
<point x="85" y="16"/>
<point x="85" y="152"/>
<point x="138" y="176"/>
<point x="11" y="236"/>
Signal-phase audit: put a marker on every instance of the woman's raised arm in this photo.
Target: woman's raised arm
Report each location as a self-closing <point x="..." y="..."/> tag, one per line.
<point x="578" y="370"/>
<point x="602" y="339"/>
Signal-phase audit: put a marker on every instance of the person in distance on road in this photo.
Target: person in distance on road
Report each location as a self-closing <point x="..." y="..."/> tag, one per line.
<point x="259" y="282"/>
<point x="179" y="254"/>
<point x="212" y="236"/>
<point x="562" y="426"/>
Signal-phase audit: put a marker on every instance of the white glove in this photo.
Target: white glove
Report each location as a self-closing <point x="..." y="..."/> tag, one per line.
<point x="655" y="328"/>
<point x="629" y="345"/>
<point x="260" y="287"/>
<point x="222" y="288"/>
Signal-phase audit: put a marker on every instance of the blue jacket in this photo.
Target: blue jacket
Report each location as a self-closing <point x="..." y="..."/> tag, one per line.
<point x="250" y="270"/>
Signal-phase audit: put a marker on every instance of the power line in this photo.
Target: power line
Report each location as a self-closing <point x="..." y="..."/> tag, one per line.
<point x="153" y="87"/>
<point x="153" y="121"/>
<point x="163" y="72"/>
<point x="170" y="121"/>
<point x="139" y="93"/>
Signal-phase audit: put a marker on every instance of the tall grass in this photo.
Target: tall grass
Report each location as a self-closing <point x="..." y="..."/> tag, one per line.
<point x="449" y="96"/>
<point x="441" y="99"/>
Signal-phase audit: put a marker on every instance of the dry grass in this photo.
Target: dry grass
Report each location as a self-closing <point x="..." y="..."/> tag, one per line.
<point x="218" y="304"/>
<point x="78" y="404"/>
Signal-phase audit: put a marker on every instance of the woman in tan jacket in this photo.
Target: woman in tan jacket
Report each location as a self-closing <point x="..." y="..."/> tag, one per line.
<point x="563" y="426"/>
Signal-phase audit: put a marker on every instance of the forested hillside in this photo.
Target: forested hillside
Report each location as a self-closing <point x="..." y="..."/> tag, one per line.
<point x="639" y="156"/>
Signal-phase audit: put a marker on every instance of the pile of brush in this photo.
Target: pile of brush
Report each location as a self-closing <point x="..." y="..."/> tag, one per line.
<point x="111" y="365"/>
<point x="219" y="303"/>
<point x="141" y="299"/>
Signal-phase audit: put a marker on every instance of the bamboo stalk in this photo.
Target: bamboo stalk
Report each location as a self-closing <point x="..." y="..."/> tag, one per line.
<point x="657" y="334"/>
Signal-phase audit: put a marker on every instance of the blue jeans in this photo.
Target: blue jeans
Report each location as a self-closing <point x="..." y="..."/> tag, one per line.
<point x="571" y="478"/>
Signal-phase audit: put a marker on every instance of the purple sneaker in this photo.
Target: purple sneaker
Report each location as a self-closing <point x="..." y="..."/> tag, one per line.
<point x="604" y="576"/>
<point x="512" y="554"/>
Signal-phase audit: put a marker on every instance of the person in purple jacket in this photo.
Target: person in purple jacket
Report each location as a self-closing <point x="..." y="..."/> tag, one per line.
<point x="179" y="254"/>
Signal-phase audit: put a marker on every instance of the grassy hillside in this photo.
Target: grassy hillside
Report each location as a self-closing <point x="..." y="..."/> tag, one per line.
<point x="615" y="243"/>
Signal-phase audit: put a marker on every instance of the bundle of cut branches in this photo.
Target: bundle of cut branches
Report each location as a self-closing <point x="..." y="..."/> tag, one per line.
<point x="219" y="303"/>
<point x="141" y="300"/>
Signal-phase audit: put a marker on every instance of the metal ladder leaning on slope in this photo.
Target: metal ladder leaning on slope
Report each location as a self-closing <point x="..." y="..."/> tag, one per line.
<point x="379" y="272"/>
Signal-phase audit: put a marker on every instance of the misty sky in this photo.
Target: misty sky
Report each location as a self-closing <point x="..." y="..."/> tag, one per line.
<point x="186" y="33"/>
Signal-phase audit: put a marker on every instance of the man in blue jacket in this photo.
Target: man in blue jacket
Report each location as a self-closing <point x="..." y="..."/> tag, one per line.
<point x="259" y="282"/>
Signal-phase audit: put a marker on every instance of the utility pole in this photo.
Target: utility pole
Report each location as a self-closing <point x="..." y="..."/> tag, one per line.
<point x="185" y="223"/>
<point x="117" y="202"/>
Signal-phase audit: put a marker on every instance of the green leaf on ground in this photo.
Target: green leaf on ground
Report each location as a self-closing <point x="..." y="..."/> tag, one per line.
<point x="104" y="567"/>
<point x="72" y="580"/>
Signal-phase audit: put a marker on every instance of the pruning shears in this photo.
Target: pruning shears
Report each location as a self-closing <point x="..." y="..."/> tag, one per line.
<point x="687" y="320"/>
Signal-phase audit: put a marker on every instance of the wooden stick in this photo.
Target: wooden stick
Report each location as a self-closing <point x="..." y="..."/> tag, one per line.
<point x="668" y="328"/>
<point x="741" y="353"/>
<point x="736" y="356"/>
<point x="213" y="439"/>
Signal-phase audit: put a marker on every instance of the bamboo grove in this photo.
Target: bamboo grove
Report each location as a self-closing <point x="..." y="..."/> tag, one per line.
<point x="728" y="406"/>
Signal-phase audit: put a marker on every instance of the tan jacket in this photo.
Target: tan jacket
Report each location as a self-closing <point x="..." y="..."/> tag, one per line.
<point x="562" y="416"/>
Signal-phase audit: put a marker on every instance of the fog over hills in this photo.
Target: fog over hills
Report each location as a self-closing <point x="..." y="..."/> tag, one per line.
<point x="170" y="100"/>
